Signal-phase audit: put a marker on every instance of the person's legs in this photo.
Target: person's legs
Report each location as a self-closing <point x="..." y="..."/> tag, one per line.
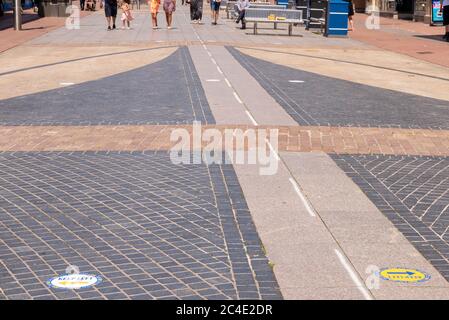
<point x="351" y="24"/>
<point x="82" y="4"/>
<point x="154" y="18"/>
<point x="113" y="15"/>
<point x="167" y="19"/>
<point x="214" y="12"/>
<point x="238" y="13"/>
<point x="242" y="18"/>
<point x="216" y="16"/>
<point x="108" y="14"/>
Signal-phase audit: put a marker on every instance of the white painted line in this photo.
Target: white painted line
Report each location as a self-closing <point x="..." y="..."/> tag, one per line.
<point x="213" y="80"/>
<point x="213" y="60"/>
<point x="237" y="98"/>
<point x="210" y="55"/>
<point x="160" y="41"/>
<point x="251" y="118"/>
<point x="296" y="81"/>
<point x="228" y="83"/>
<point x="302" y="197"/>
<point x="204" y="46"/>
<point x="66" y="83"/>
<point x="353" y="275"/>
<point x="219" y="70"/>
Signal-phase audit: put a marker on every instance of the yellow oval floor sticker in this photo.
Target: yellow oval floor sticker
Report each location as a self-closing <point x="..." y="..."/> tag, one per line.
<point x="404" y="275"/>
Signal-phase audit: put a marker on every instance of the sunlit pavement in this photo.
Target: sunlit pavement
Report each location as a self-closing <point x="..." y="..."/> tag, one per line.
<point x="87" y="181"/>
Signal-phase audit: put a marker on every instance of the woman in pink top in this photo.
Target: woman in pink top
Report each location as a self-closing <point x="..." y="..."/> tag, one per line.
<point x="169" y="8"/>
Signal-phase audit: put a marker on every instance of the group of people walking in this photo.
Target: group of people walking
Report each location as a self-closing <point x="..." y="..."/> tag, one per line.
<point x="169" y="7"/>
<point x="196" y="10"/>
<point x="111" y="8"/>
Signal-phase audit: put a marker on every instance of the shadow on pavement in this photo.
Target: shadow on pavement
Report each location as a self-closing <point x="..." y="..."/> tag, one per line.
<point x="7" y="21"/>
<point x="436" y="37"/>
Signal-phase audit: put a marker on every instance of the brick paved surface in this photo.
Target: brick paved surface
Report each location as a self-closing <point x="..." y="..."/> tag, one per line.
<point x="413" y="192"/>
<point x="294" y="138"/>
<point x="151" y="229"/>
<point x="415" y="39"/>
<point x="168" y="91"/>
<point x="325" y="101"/>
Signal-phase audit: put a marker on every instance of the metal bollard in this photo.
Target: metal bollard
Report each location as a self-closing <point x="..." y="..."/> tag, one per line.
<point x="17" y="15"/>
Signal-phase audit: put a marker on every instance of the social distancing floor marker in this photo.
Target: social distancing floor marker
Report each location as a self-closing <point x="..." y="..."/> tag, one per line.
<point x="296" y="81"/>
<point x="403" y="275"/>
<point x="213" y="80"/>
<point x="66" y="83"/>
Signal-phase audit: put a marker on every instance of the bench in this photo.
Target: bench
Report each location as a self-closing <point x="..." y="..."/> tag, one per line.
<point x="230" y="7"/>
<point x="287" y="16"/>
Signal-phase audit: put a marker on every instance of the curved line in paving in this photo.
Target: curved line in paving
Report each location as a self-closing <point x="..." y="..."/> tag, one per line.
<point x="84" y="58"/>
<point x="149" y="98"/>
<point x="348" y="62"/>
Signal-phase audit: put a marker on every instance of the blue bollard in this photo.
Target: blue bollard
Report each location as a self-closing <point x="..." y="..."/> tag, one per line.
<point x="336" y="18"/>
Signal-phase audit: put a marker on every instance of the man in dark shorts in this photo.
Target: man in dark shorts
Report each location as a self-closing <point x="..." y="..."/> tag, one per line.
<point x="215" y="6"/>
<point x="445" y="9"/>
<point x="110" y="11"/>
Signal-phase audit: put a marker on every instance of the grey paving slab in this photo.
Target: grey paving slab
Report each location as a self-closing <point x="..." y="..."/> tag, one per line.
<point x="299" y="246"/>
<point x="322" y="100"/>
<point x="224" y="106"/>
<point x="149" y="228"/>
<point x="93" y="31"/>
<point x="168" y="91"/>
<point x="364" y="234"/>
<point x="413" y="192"/>
<point x="264" y="109"/>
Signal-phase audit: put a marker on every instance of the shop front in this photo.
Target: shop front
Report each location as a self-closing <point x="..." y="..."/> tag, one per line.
<point x="416" y="10"/>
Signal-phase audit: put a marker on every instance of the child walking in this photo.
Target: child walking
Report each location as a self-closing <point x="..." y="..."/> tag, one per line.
<point x="154" y="9"/>
<point x="126" y="14"/>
